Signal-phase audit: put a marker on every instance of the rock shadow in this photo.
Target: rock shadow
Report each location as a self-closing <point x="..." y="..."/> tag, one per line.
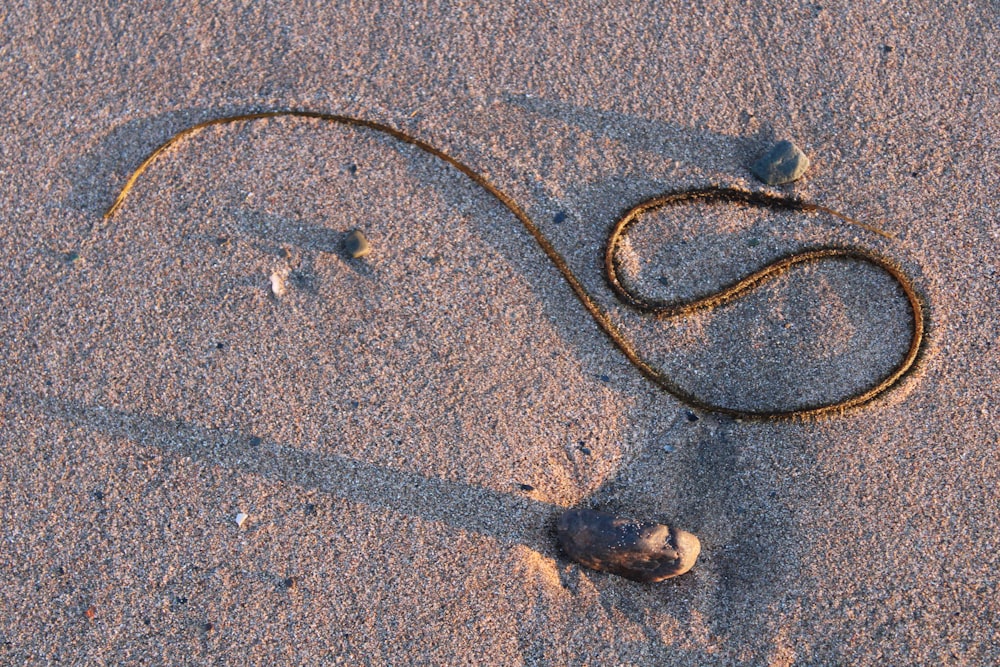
<point x="505" y="517"/>
<point x="714" y="488"/>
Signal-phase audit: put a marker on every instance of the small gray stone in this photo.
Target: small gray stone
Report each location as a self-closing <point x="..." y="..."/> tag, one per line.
<point x="782" y="164"/>
<point x="356" y="244"/>
<point x="641" y="551"/>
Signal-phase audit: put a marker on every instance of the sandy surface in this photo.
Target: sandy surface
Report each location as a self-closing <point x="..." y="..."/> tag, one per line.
<point x="376" y="423"/>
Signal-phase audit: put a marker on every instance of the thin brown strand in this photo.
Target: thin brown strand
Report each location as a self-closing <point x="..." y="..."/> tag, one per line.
<point x="649" y="307"/>
<point x="732" y="291"/>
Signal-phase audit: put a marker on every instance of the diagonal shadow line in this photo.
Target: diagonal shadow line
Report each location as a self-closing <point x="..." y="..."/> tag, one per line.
<point x="509" y="519"/>
<point x="279" y="230"/>
<point x="702" y="148"/>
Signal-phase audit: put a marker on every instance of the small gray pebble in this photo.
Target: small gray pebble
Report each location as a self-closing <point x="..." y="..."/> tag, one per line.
<point x="782" y="164"/>
<point x="356" y="244"/>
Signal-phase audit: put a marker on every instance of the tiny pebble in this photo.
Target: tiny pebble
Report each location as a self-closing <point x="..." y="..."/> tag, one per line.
<point x="356" y="244"/>
<point x="526" y="487"/>
<point x="90" y="613"/>
<point x="241" y="518"/>
<point x="669" y="449"/>
<point x="72" y="257"/>
<point x="691" y="417"/>
<point x="559" y="217"/>
<point x="782" y="164"/>
<point x="255" y="441"/>
<point x="278" y="284"/>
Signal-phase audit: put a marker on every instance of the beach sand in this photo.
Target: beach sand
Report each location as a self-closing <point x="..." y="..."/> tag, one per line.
<point x="402" y="430"/>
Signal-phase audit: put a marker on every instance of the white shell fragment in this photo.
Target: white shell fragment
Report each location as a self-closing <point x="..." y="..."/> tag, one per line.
<point x="241" y="518"/>
<point x="278" y="287"/>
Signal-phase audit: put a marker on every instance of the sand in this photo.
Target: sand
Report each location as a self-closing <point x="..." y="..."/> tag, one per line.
<point x="380" y="423"/>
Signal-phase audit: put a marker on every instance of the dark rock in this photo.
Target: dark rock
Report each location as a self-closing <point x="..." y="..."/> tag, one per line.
<point x="356" y="244"/>
<point x="641" y="551"/>
<point x="782" y="164"/>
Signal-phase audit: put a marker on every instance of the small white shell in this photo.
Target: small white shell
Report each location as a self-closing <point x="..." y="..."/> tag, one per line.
<point x="278" y="283"/>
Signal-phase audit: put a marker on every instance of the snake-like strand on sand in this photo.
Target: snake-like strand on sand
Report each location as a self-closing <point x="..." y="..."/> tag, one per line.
<point x="651" y="307"/>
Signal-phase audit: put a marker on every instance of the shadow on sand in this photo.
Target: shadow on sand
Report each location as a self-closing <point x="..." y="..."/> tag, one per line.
<point x="716" y="487"/>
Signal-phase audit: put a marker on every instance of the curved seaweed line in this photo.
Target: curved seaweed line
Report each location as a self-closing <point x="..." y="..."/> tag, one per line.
<point x="654" y="308"/>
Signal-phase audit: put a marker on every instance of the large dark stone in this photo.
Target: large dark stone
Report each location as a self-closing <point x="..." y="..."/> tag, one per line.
<point x="638" y="550"/>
